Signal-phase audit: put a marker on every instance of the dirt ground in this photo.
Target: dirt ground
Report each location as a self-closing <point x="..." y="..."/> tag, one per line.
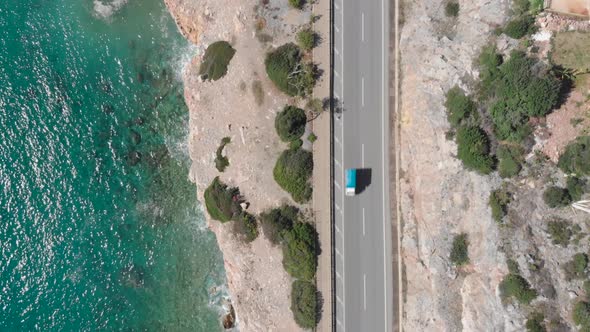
<point x="237" y="107"/>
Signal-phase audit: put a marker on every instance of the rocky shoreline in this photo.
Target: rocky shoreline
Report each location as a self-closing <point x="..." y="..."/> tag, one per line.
<point x="258" y="285"/>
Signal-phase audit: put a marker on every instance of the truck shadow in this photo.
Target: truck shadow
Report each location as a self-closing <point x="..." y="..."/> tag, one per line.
<point x="363" y="179"/>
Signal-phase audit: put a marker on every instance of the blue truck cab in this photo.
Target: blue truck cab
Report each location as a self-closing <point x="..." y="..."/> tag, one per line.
<point x="350" y="182"/>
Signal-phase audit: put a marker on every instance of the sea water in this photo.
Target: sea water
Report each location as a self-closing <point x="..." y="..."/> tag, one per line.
<point x="100" y="228"/>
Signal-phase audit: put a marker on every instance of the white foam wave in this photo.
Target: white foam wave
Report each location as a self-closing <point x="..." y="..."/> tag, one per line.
<point x="105" y="8"/>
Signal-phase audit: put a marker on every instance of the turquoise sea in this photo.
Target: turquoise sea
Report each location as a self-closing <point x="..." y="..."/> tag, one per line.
<point x="100" y="229"/>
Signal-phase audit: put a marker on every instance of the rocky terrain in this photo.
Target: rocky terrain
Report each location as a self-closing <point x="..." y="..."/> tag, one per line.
<point x="441" y="199"/>
<point x="236" y="106"/>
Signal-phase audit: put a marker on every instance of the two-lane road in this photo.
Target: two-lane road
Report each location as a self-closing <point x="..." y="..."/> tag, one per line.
<point x="363" y="255"/>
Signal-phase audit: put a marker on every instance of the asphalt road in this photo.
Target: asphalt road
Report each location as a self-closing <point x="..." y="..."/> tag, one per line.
<point x="363" y="259"/>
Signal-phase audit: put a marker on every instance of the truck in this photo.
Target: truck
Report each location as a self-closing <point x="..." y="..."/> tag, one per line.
<point x="350" y="182"/>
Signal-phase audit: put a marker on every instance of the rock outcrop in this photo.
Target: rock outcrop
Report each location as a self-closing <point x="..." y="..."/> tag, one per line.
<point x="258" y="285"/>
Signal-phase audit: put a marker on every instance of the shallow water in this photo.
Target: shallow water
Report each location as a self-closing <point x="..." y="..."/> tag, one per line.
<point x="99" y="227"/>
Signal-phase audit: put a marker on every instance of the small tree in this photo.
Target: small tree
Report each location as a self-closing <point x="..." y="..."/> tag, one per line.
<point x="275" y="222"/>
<point x="576" y="187"/>
<point x="509" y="159"/>
<point x="499" y="200"/>
<point x="560" y="232"/>
<point x="576" y="158"/>
<point x="215" y="61"/>
<point x="246" y="227"/>
<point x="222" y="202"/>
<point x="581" y="314"/>
<point x="576" y="268"/>
<point x="459" y="252"/>
<point x="473" y="148"/>
<point x="300" y="251"/>
<point x="304" y="304"/>
<point x="556" y="197"/>
<point x="290" y="123"/>
<point x="292" y="173"/>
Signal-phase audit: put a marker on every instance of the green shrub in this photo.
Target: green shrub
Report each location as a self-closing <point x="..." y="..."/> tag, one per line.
<point x="288" y="73"/>
<point x="535" y="322"/>
<point x="221" y="161"/>
<point x="473" y="148"/>
<point x="222" y="202"/>
<point x="576" y="268"/>
<point x="215" y="61"/>
<point x="300" y="251"/>
<point x="576" y="187"/>
<point x="521" y="6"/>
<point x="297" y="4"/>
<point x="513" y="285"/>
<point x="586" y="287"/>
<point x="518" y="95"/>
<point x="489" y="62"/>
<point x="581" y="314"/>
<point x="452" y="9"/>
<point x="509" y="159"/>
<point x="290" y="123"/>
<point x="293" y="171"/>
<point x="246" y="227"/>
<point x="304" y="304"/>
<point x="560" y="232"/>
<point x="277" y="221"/>
<point x="576" y="158"/>
<point x="296" y="144"/>
<point x="556" y="197"/>
<point x="520" y="27"/>
<point x="312" y="137"/>
<point x="459" y="107"/>
<point x="459" y="252"/>
<point x="306" y="39"/>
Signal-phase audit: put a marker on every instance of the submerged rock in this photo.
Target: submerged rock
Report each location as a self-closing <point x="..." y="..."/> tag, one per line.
<point x="132" y="276"/>
<point x="133" y="158"/>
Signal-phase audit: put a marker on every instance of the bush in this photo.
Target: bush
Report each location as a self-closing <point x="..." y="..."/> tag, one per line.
<point x="296" y="144"/>
<point x="520" y="27"/>
<point x="521" y="6"/>
<point x="576" y="187"/>
<point x="535" y="323"/>
<point x="246" y="227"/>
<point x="459" y="107"/>
<point x="459" y="253"/>
<point x="581" y="314"/>
<point x="518" y="95"/>
<point x="300" y="251"/>
<point x="277" y="221"/>
<point x="509" y="159"/>
<point x="292" y="172"/>
<point x="586" y="287"/>
<point x="222" y="202"/>
<point x="576" y="158"/>
<point x="452" y="9"/>
<point x="290" y="123"/>
<point x="312" y="137"/>
<point x="304" y="304"/>
<point x="513" y="285"/>
<point x="306" y="39"/>
<point x="215" y="61"/>
<point x="576" y="268"/>
<point x="473" y="148"/>
<point x="221" y="161"/>
<point x="556" y="197"/>
<point x="288" y="73"/>
<point x="489" y="62"/>
<point x="560" y="232"/>
<point x="297" y="4"/>
<point x="512" y="266"/>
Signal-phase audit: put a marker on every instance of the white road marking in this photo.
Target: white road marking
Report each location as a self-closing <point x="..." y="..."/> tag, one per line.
<point x="342" y="158"/>
<point x="337" y="229"/>
<point x="337" y="185"/>
<point x="363" y="26"/>
<point x="365" y="292"/>
<point x="336" y="162"/>
<point x="335" y="49"/>
<point x="363" y="91"/>
<point x="335" y="26"/>
<point x="338" y="322"/>
<point x="336" y="74"/>
<point x="336" y="95"/>
<point x="337" y="206"/>
<point x="339" y="300"/>
<point x="338" y="275"/>
<point x="363" y="221"/>
<point x="363" y="155"/>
